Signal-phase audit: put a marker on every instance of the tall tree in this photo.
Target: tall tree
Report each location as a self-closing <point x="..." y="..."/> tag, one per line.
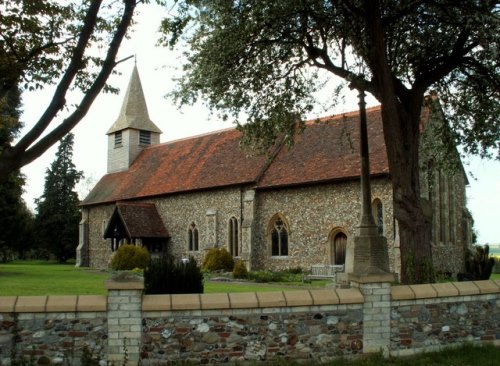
<point x="69" y="43"/>
<point x="58" y="214"/>
<point x="267" y="57"/>
<point x="15" y="218"/>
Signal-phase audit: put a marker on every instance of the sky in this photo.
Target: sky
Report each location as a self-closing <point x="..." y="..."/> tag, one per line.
<point x="158" y="67"/>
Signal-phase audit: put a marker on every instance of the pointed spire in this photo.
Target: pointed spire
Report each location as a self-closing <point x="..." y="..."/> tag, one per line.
<point x="134" y="112"/>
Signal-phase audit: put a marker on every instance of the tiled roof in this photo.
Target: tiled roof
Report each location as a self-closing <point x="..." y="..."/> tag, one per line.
<point x="326" y="151"/>
<point x="141" y="220"/>
<point x="203" y="162"/>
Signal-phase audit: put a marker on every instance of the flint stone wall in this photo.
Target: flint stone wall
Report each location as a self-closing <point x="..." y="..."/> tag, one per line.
<point x="310" y="325"/>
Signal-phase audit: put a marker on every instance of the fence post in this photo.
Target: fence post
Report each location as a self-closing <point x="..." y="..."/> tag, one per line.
<point x="124" y="318"/>
<point x="376" y="290"/>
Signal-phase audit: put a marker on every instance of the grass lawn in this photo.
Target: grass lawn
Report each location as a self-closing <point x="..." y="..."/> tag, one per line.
<point x="48" y="278"/>
<point x="464" y="356"/>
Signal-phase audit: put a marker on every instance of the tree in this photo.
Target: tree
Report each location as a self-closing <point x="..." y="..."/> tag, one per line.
<point x="15" y="218"/>
<point x="63" y="42"/>
<point x="266" y="58"/>
<point x="56" y="224"/>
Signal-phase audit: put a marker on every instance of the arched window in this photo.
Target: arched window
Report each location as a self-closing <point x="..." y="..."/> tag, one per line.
<point x="233" y="237"/>
<point x="378" y="215"/>
<point x="193" y="244"/>
<point x="339" y="245"/>
<point x="278" y="237"/>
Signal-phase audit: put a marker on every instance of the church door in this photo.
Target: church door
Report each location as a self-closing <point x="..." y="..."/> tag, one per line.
<point x="338" y="248"/>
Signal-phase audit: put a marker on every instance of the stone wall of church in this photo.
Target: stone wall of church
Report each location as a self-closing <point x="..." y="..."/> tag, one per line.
<point x="312" y="215"/>
<point x="311" y="212"/>
<point x="450" y="241"/>
<point x="99" y="248"/>
<point x="179" y="211"/>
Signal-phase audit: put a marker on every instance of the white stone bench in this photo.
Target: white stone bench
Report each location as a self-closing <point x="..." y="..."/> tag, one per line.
<point x="324" y="271"/>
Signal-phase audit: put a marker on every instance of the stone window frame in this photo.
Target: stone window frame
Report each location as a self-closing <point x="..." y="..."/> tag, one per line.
<point x="378" y="215"/>
<point x="331" y="242"/>
<point x="271" y="228"/>
<point x="193" y="238"/>
<point x="233" y="236"/>
<point x="104" y="226"/>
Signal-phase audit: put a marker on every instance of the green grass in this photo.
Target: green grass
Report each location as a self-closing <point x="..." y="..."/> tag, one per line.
<point x="463" y="356"/>
<point x="46" y="278"/>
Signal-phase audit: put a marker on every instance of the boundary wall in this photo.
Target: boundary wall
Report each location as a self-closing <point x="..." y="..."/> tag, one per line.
<point x="127" y="327"/>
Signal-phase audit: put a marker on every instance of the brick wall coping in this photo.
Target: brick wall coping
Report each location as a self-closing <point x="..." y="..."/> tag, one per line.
<point x="244" y="300"/>
<point x="447" y="289"/>
<point x="48" y="304"/>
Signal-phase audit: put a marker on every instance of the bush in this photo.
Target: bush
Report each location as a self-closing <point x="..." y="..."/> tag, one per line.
<point x="166" y="275"/>
<point x="128" y="257"/>
<point x="270" y="276"/>
<point x="479" y="264"/>
<point x="218" y="259"/>
<point x="240" y="270"/>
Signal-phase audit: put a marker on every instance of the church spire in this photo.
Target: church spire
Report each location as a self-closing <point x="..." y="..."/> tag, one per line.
<point x="133" y="131"/>
<point x="134" y="112"/>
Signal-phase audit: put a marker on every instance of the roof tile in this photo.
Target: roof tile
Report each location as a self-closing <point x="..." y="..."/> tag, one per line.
<point x="326" y="151"/>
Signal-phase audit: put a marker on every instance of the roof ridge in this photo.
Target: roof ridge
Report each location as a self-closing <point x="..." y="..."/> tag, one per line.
<point x="340" y="115"/>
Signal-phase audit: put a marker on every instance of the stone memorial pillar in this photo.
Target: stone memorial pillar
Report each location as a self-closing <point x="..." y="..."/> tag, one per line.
<point x="370" y="265"/>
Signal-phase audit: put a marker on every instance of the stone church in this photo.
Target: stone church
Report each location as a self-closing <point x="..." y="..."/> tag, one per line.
<point x="293" y="208"/>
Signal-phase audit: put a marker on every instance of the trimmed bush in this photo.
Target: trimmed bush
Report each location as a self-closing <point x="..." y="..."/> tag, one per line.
<point x="129" y="257"/>
<point x="166" y="275"/>
<point x="218" y="259"/>
<point x="479" y="264"/>
<point x="240" y="270"/>
<point x="270" y="276"/>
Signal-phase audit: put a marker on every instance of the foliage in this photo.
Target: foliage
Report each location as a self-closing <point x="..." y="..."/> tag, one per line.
<point x="69" y="43"/>
<point x="263" y="49"/>
<point x="265" y="59"/>
<point x="16" y="220"/>
<point x="479" y="264"/>
<point x="218" y="259"/>
<point x="129" y="257"/>
<point x="166" y="275"/>
<point x="240" y="270"/>
<point x="274" y="276"/>
<point x="58" y="216"/>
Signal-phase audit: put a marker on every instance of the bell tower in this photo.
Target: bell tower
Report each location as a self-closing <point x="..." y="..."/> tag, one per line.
<point x="133" y="130"/>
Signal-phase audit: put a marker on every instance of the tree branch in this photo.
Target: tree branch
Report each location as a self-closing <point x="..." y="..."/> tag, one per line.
<point x="20" y="157"/>
<point x="59" y="99"/>
<point x="442" y="66"/>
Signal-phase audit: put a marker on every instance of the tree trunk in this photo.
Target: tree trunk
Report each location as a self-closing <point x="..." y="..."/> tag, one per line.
<point x="402" y="136"/>
<point x="401" y="120"/>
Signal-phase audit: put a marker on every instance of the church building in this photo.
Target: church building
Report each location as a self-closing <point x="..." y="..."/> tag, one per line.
<point x="295" y="207"/>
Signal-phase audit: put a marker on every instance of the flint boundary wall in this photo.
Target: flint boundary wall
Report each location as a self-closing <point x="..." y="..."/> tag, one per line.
<point x="127" y="327"/>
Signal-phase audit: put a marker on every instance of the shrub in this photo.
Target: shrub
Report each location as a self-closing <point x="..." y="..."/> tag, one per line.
<point x="240" y="270"/>
<point x="166" y="275"/>
<point x="128" y="257"/>
<point x="294" y="270"/>
<point x="271" y="276"/>
<point x="218" y="259"/>
<point x="479" y="264"/>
